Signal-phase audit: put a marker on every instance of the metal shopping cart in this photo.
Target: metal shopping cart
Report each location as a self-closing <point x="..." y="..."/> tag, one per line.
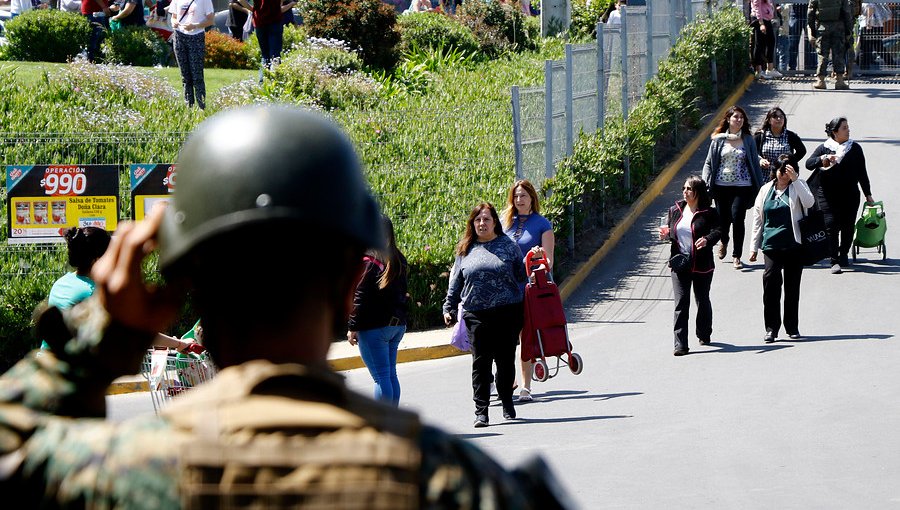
<point x="170" y="373"/>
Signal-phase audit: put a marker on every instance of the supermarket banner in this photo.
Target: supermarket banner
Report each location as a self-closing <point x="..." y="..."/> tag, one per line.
<point x="44" y="200"/>
<point x="150" y="185"/>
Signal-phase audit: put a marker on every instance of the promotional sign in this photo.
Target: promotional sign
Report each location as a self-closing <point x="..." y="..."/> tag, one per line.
<point x="44" y="200"/>
<point x="150" y="185"/>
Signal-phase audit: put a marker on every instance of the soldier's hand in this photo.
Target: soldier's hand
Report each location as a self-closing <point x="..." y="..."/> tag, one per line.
<point x="120" y="284"/>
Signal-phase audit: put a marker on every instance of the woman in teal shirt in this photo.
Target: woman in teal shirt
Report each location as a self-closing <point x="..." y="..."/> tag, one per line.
<point x="777" y="211"/>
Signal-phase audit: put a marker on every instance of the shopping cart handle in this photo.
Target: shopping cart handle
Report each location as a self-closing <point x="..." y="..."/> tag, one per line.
<point x="531" y="262"/>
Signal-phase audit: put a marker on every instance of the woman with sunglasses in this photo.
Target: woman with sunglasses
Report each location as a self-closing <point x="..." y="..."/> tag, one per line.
<point x="692" y="230"/>
<point x="774" y="139"/>
<point x="776" y="231"/>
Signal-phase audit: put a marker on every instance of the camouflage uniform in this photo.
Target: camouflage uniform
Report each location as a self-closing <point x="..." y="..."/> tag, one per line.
<point x="258" y="435"/>
<point x="830" y="22"/>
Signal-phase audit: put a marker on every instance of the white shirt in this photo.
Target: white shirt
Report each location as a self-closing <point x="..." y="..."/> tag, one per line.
<point x="615" y="18"/>
<point x="196" y="13"/>
<point x="684" y="232"/>
<point x="19" y="6"/>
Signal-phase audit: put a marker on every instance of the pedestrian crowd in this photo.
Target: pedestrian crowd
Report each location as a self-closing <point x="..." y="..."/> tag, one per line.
<point x="823" y="32"/>
<point x="732" y="182"/>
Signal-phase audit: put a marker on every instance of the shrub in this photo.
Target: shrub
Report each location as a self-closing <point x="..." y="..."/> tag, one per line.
<point x="47" y="35"/>
<point x="435" y="30"/>
<point x="368" y="26"/>
<point x="226" y="52"/>
<point x="499" y="26"/>
<point x="136" y="46"/>
<point x="585" y="17"/>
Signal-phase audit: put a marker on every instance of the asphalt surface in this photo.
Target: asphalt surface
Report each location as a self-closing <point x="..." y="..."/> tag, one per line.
<point x="813" y="423"/>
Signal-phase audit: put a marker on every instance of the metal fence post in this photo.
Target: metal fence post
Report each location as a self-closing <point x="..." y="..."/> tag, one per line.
<point x="601" y="79"/>
<point x="517" y="131"/>
<point x="650" y="62"/>
<point x="570" y="106"/>
<point x="624" y="38"/>
<point x="548" y="119"/>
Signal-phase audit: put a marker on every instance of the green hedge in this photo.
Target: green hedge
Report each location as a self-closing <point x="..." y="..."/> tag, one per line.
<point x="673" y="100"/>
<point x="47" y="35"/>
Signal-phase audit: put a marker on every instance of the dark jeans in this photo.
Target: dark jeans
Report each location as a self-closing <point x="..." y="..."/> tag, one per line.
<point x="494" y="334"/>
<point x="840" y="219"/>
<point x="270" y="41"/>
<point x="783" y="269"/>
<point x="189" y="52"/>
<point x="681" y="284"/>
<point x="732" y="203"/>
<point x="237" y="32"/>
<point x="99" y="25"/>
<point x="763" y="44"/>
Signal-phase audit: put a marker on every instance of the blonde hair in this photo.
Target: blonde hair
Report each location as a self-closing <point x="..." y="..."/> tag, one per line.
<point x="509" y="212"/>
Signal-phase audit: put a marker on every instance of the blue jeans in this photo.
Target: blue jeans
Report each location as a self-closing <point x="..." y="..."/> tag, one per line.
<point x="378" y="348"/>
<point x="270" y="39"/>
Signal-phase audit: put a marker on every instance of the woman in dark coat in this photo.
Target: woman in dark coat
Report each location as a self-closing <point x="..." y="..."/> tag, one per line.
<point x="840" y="167"/>
<point x="692" y="229"/>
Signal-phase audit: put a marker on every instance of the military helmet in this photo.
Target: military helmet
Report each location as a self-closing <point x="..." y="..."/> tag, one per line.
<point x="263" y="163"/>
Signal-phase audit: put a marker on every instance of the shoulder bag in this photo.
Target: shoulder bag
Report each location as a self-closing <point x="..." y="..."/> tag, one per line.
<point x="813" y="237"/>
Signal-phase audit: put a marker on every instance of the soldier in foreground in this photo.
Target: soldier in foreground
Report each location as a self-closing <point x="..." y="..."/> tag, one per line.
<point x="276" y="428"/>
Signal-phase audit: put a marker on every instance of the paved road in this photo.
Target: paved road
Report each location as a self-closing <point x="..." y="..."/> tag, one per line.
<point x="738" y="424"/>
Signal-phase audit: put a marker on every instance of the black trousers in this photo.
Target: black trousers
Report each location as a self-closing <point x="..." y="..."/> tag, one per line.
<point x="732" y="203"/>
<point x="763" y="50"/>
<point x="681" y="284"/>
<point x="494" y="333"/>
<point x="783" y="269"/>
<point x="190" y="51"/>
<point x="840" y="219"/>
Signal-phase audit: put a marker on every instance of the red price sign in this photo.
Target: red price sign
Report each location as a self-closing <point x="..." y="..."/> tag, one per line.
<point x="64" y="181"/>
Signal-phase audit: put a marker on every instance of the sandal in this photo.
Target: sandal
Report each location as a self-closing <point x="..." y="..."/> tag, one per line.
<point x="525" y="395"/>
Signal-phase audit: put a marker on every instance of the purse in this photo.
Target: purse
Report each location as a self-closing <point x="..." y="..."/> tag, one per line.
<point x="680" y="263"/>
<point x="813" y="237"/>
<point x="459" y="336"/>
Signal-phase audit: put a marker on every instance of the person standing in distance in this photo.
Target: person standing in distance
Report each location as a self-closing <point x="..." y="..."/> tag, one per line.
<point x="276" y="427"/>
<point x="830" y="24"/>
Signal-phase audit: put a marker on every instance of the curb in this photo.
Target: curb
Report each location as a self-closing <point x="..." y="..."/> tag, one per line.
<point x="568" y="287"/>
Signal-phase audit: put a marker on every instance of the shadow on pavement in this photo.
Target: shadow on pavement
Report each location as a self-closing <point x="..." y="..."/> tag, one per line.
<point x="758" y="349"/>
<point x="476" y="436"/>
<point x="552" y="396"/>
<point x="884" y="267"/>
<point x="829" y="338"/>
<point x="522" y="421"/>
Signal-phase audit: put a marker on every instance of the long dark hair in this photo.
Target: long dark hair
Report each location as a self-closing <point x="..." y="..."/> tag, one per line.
<point x="86" y="245"/>
<point x="704" y="201"/>
<point x="766" y="123"/>
<point x="470" y="237"/>
<point x="391" y="256"/>
<point x="723" y="125"/>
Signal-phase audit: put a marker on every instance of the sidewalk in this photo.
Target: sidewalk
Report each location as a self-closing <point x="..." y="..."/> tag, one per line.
<point x="435" y="343"/>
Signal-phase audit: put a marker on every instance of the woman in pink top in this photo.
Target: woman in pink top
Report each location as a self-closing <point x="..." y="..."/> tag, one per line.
<point x="762" y="12"/>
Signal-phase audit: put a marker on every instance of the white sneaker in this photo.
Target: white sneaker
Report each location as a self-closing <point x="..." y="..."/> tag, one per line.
<point x="761" y="75"/>
<point x="774" y="74"/>
<point x="525" y="395"/>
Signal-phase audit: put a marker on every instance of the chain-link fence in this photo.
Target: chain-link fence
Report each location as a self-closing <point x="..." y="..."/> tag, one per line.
<point x="593" y="83"/>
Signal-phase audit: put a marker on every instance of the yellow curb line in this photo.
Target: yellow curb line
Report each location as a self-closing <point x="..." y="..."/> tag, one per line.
<point x="573" y="281"/>
<point x="568" y="287"/>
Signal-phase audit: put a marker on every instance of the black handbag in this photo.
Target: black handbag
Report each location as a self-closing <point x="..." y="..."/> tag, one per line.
<point x="814" y="244"/>
<point x="680" y="263"/>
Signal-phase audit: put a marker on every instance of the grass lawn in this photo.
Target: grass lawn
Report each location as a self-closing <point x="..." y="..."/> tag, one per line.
<point x="29" y="74"/>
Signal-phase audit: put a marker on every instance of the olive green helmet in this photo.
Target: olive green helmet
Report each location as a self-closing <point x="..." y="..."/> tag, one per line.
<point x="257" y="164"/>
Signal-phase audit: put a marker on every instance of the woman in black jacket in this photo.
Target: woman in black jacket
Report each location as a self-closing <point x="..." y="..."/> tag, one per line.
<point x="774" y="139"/>
<point x="692" y="229"/>
<point x="840" y="167"/>
<point x="378" y="320"/>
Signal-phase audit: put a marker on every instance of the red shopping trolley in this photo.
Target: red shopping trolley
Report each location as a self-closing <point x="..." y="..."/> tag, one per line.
<point x="544" y="333"/>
